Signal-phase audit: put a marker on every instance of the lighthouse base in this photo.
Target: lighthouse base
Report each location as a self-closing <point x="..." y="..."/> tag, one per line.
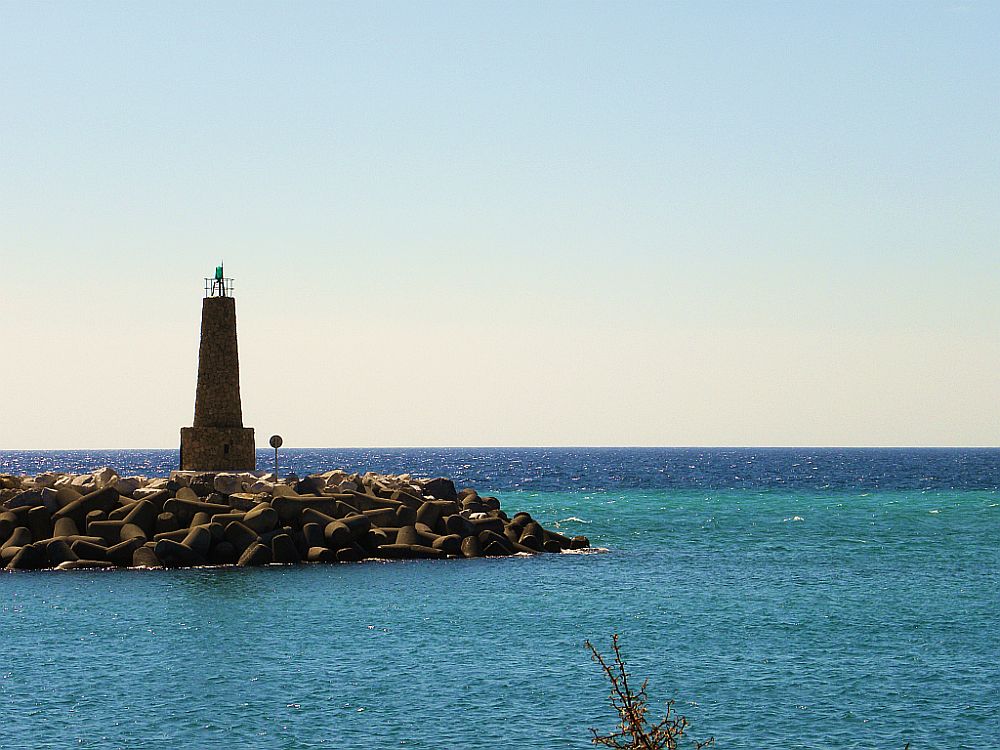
<point x="217" y="449"/>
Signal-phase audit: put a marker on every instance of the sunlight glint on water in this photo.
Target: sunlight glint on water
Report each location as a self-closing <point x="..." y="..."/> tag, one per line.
<point x="850" y="601"/>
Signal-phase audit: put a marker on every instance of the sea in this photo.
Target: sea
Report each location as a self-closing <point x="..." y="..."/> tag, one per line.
<point x="776" y="598"/>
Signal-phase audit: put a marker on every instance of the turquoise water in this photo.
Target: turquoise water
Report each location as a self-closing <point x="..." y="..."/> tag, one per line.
<point x="795" y="618"/>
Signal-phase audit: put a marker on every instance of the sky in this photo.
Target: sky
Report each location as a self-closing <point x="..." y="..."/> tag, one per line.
<point x="504" y="223"/>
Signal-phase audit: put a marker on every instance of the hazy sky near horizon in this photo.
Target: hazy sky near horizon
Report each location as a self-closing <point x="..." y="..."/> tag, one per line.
<point x="510" y="223"/>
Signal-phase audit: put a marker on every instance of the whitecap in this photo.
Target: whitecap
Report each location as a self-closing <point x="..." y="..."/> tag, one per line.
<point x="793" y="518"/>
<point x="934" y="512"/>
<point x="573" y="519"/>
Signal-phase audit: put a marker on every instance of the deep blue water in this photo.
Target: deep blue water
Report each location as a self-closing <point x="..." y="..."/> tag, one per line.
<point x="592" y="469"/>
<point x="786" y="598"/>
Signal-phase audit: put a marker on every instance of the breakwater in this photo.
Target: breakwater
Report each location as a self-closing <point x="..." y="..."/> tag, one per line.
<point x="102" y="520"/>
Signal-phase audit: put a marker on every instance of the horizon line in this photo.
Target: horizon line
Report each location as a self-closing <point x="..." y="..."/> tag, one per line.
<point x="547" y="447"/>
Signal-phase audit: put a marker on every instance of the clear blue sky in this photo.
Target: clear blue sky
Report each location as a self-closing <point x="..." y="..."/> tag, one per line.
<point x="505" y="223"/>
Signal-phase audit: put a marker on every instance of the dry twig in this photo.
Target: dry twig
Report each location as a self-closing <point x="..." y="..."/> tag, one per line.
<point x="634" y="731"/>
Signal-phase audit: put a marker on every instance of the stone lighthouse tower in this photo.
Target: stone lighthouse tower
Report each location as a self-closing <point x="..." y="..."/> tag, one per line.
<point x="218" y="441"/>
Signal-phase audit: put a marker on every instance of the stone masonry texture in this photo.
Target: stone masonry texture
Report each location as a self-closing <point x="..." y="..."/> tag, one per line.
<point x="218" y="441"/>
<point x="205" y="449"/>
<point x="217" y="403"/>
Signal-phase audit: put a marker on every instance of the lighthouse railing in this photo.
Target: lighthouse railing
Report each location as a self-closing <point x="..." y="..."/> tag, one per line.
<point x="219" y="287"/>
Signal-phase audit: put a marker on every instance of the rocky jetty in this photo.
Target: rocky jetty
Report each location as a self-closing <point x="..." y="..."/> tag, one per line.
<point x="103" y="520"/>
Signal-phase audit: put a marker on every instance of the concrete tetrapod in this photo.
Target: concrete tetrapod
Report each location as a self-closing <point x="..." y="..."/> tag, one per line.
<point x="175" y="554"/>
<point x="58" y="551"/>
<point x="256" y="554"/>
<point x="261" y="519"/>
<point x="283" y="549"/>
<point x="40" y="522"/>
<point x="200" y="518"/>
<point x="240" y="536"/>
<point x="145" y="557"/>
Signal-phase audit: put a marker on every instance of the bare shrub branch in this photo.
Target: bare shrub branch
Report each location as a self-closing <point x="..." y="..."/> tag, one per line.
<point x="634" y="730"/>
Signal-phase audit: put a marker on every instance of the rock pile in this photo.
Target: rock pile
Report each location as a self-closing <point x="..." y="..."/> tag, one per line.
<point x="102" y="520"/>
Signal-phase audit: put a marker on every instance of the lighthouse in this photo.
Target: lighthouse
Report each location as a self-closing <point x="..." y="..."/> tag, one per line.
<point x="218" y="441"/>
